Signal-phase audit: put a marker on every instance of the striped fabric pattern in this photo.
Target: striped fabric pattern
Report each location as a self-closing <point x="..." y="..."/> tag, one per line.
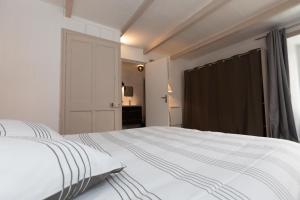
<point x="39" y="130"/>
<point x="124" y="184"/>
<point x="175" y="163"/>
<point x="27" y="129"/>
<point x="2" y="130"/>
<point x="79" y="167"/>
<point x="68" y="168"/>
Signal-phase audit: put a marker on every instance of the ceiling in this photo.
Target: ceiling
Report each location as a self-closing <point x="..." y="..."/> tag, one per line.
<point x="112" y="13"/>
<point x="160" y="17"/>
<point x="166" y="18"/>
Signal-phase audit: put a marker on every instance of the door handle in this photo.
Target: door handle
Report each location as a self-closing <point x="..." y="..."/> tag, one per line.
<point x="115" y="105"/>
<point x="165" y="98"/>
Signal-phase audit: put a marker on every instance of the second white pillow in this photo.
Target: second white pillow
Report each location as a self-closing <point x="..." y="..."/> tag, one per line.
<point x="26" y="129"/>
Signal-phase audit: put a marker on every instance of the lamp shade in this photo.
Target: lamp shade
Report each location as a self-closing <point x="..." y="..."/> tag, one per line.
<point x="170" y="89"/>
<point x="128" y="91"/>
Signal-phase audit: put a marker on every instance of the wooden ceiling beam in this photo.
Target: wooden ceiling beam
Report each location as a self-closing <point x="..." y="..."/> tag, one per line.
<point x="260" y="16"/>
<point x="138" y="13"/>
<point x="198" y="15"/>
<point x="69" y="8"/>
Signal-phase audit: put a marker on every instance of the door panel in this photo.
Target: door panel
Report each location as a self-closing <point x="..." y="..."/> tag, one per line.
<point x="80" y="121"/>
<point x="104" y="121"/>
<point x="105" y="75"/>
<point x="156" y="76"/>
<point x="79" y="73"/>
<point x="91" y="84"/>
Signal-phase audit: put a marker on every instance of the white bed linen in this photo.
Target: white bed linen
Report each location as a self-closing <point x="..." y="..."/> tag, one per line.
<point x="35" y="169"/>
<point x="181" y="164"/>
<point x="26" y="129"/>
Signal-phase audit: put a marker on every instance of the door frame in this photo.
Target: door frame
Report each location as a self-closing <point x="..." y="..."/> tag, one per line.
<point x="62" y="104"/>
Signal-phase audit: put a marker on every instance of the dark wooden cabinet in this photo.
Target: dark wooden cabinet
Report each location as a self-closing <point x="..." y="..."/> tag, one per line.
<point x="132" y="116"/>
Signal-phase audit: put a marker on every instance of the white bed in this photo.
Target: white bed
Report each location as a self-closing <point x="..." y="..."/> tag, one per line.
<point x="181" y="164"/>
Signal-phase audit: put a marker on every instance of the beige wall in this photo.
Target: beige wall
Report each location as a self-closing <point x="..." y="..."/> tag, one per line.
<point x="132" y="77"/>
<point x="30" y="58"/>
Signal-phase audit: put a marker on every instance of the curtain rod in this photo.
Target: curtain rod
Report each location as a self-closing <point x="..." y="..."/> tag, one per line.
<point x="223" y="60"/>
<point x="288" y="27"/>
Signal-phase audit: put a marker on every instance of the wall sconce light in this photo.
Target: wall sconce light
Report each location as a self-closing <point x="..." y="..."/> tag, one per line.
<point x="170" y="89"/>
<point x="140" y="68"/>
<point x="123" y="87"/>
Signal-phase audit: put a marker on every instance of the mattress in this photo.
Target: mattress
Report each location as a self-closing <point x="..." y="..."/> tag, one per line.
<point x="181" y="164"/>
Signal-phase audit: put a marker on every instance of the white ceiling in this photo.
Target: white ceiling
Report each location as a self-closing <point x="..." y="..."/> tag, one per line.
<point x="284" y="19"/>
<point x="289" y="16"/>
<point x="229" y="14"/>
<point x="162" y="16"/>
<point x="112" y="13"/>
<point x="235" y="11"/>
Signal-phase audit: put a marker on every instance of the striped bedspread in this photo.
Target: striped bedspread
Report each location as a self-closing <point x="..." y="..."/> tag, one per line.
<point x="180" y="164"/>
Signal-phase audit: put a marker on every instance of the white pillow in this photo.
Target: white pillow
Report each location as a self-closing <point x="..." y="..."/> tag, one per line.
<point x="34" y="168"/>
<point x="28" y="129"/>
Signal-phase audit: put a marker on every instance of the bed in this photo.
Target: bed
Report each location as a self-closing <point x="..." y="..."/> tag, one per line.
<point x="171" y="163"/>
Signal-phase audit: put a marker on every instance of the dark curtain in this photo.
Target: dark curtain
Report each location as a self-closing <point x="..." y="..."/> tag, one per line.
<point x="226" y="96"/>
<point x="282" y="124"/>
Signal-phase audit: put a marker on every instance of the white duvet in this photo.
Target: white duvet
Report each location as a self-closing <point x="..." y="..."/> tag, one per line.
<point x="181" y="164"/>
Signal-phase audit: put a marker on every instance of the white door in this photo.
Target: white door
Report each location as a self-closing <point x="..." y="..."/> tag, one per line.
<point x="91" y="85"/>
<point x="156" y="77"/>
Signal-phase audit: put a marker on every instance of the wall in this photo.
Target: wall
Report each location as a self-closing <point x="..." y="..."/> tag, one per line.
<point x="132" y="53"/>
<point x="30" y="58"/>
<point x="132" y="77"/>
<point x="294" y="62"/>
<point x="177" y="68"/>
<point x="135" y="54"/>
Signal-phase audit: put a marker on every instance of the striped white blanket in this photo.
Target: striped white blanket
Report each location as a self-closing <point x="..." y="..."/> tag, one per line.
<point x="181" y="164"/>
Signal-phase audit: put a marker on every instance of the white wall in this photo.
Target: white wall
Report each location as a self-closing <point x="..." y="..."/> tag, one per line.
<point x="30" y="58"/>
<point x="132" y="53"/>
<point x="294" y="62"/>
<point x="178" y="67"/>
<point x="137" y="54"/>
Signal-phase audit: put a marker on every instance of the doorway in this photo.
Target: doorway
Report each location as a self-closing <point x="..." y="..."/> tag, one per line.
<point x="133" y="94"/>
<point x="145" y="93"/>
